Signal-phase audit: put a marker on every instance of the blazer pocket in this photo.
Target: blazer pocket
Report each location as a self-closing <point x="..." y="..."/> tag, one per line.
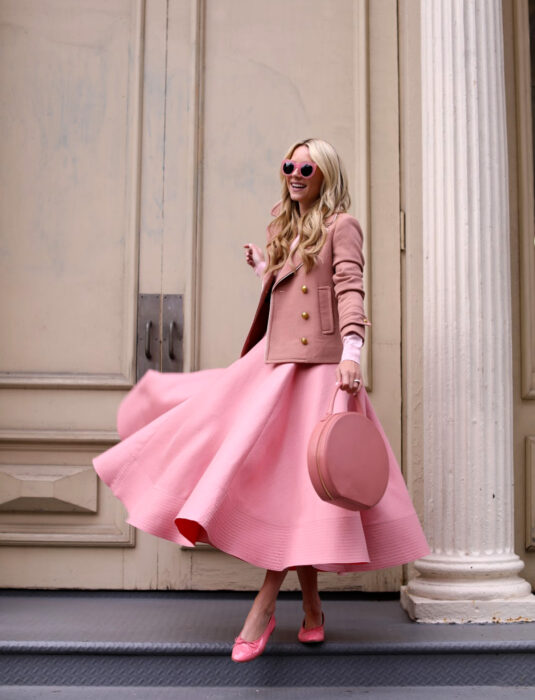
<point x="325" y="301"/>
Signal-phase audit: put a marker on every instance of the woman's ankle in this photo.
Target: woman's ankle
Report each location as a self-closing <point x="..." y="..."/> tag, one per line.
<point x="312" y="608"/>
<point x="265" y="605"/>
<point x="312" y="600"/>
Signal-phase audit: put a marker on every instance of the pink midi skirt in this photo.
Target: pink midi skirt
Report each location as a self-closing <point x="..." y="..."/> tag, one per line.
<point x="219" y="456"/>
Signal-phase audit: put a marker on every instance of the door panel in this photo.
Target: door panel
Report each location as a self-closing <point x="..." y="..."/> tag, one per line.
<point x="245" y="134"/>
<point x="71" y="80"/>
<point x="69" y="174"/>
<point x="306" y="85"/>
<point x="138" y="159"/>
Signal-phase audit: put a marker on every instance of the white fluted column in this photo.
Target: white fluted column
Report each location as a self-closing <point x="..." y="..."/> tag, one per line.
<point x="472" y="572"/>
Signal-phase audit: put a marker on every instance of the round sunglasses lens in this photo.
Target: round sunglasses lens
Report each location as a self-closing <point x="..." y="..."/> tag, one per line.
<point x="306" y="170"/>
<point x="287" y="168"/>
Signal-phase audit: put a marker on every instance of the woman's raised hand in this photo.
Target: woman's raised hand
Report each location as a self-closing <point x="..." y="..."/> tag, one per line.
<point x="253" y="254"/>
<point x="346" y="374"/>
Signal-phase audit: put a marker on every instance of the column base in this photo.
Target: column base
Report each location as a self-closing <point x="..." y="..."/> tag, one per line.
<point x="499" y="610"/>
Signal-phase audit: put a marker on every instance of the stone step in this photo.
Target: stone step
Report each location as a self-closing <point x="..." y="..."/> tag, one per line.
<point x="249" y="693"/>
<point x="184" y="639"/>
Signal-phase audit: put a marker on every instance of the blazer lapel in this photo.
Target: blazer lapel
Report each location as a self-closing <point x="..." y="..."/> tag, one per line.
<point x="289" y="268"/>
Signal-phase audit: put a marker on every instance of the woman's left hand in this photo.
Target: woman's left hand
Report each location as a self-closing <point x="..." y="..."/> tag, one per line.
<point x="346" y="374"/>
<point x="253" y="254"/>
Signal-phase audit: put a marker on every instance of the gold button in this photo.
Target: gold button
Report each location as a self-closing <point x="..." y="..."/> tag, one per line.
<point x="304" y="289"/>
<point x="305" y="315"/>
<point x="304" y="341"/>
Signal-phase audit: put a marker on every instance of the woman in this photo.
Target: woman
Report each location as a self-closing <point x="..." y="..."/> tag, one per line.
<point x="219" y="456"/>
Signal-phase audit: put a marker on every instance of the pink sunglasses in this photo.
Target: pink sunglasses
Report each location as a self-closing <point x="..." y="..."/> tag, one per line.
<point x="306" y="169"/>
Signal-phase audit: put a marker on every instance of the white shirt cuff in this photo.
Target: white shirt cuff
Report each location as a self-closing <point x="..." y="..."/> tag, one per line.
<point x="352" y="345"/>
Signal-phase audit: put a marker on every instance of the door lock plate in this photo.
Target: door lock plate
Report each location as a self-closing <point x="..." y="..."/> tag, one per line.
<point x="160" y="328"/>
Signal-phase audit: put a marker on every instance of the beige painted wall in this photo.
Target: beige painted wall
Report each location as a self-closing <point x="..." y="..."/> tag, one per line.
<point x="411" y="257"/>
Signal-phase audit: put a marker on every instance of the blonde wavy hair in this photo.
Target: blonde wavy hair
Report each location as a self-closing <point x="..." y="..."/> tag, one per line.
<point x="333" y="198"/>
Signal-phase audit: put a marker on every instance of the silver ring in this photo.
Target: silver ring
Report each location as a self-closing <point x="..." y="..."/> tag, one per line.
<point x="356" y="381"/>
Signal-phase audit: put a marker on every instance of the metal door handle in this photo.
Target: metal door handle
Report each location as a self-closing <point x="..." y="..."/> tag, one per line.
<point x="173" y="331"/>
<point x="172" y="326"/>
<point x="148" y="327"/>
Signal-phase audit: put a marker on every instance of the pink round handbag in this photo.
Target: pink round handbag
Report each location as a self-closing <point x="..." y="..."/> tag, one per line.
<point x="347" y="460"/>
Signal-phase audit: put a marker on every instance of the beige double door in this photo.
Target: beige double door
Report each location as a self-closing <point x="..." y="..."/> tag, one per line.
<point x="140" y="149"/>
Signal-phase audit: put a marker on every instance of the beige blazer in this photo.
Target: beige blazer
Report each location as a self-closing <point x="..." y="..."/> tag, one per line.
<point x="306" y="315"/>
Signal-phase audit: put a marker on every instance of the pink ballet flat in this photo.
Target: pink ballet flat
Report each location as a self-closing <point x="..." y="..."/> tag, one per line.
<point x="246" y="651"/>
<point x="314" y="635"/>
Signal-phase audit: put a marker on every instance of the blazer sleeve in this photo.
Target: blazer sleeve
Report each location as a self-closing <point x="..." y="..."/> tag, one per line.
<point x="348" y="268"/>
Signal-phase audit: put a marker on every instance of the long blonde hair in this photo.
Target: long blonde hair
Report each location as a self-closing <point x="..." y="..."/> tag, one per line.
<point x="334" y="197"/>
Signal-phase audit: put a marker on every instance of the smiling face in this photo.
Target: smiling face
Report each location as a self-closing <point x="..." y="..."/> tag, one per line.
<point x="304" y="191"/>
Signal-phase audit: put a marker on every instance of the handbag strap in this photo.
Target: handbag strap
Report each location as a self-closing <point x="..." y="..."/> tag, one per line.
<point x="330" y="410"/>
